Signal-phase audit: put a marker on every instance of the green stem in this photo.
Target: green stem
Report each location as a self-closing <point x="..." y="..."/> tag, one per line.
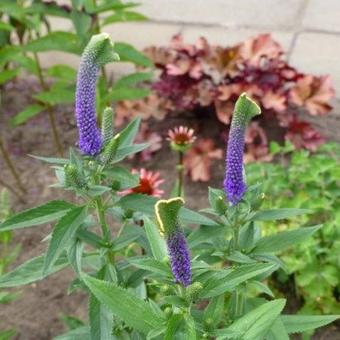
<point x="50" y="110"/>
<point x="238" y="304"/>
<point x="180" y="173"/>
<point x="101" y="218"/>
<point x="7" y="186"/>
<point x="11" y="166"/>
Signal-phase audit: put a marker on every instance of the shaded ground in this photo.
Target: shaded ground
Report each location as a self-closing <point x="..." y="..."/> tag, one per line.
<point x="36" y="315"/>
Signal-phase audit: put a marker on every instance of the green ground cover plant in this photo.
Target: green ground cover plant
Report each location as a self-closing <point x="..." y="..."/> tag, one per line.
<point x="309" y="181"/>
<point x="152" y="268"/>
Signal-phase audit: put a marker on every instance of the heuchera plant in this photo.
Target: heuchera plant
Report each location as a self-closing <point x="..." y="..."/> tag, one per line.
<point x="147" y="274"/>
<point x="201" y="79"/>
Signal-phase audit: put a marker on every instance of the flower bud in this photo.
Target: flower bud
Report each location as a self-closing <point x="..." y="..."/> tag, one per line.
<point x="193" y="290"/>
<point x="73" y="177"/>
<point x="107" y="125"/>
<point x="110" y="150"/>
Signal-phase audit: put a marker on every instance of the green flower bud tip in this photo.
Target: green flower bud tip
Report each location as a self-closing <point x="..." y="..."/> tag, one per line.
<point x="193" y="290"/>
<point x="110" y="150"/>
<point x="167" y="214"/>
<point x="107" y="125"/>
<point x="73" y="177"/>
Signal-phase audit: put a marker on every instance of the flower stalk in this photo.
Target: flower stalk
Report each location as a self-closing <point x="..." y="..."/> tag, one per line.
<point x="11" y="166"/>
<point x="234" y="183"/>
<point x="97" y="53"/>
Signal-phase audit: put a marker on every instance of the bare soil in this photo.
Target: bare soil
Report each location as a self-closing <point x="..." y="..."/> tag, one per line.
<point x="36" y="314"/>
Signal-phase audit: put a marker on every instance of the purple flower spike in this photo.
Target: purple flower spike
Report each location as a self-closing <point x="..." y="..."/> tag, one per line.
<point x="234" y="184"/>
<point x="179" y="257"/>
<point x="97" y="53"/>
<point x="167" y="216"/>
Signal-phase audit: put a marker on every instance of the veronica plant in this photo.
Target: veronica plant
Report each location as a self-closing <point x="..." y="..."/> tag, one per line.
<point x="147" y="275"/>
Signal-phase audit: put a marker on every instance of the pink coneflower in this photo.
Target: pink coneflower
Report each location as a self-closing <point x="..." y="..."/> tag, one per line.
<point x="181" y="138"/>
<point x="149" y="183"/>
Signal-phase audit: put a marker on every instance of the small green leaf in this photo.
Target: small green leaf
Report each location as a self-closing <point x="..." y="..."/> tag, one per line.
<point x="80" y="333"/>
<point x="129" y="53"/>
<point x="56" y="96"/>
<point x="128" y="134"/>
<point x="125" y="151"/>
<point x="214" y="310"/>
<point x="7" y="334"/>
<point x="123" y="176"/>
<point x="303" y="323"/>
<point x="101" y="320"/>
<point x="30" y="271"/>
<point x="133" y="79"/>
<point x="283" y="240"/>
<point x="36" y="216"/>
<point x="151" y="265"/>
<point x="278" y="214"/>
<point x="126" y="93"/>
<point x="277" y="331"/>
<point x="29" y="112"/>
<point x="6" y="75"/>
<point x="231" y="279"/>
<point x="5" y="26"/>
<point x="256" y="323"/>
<point x="157" y="242"/>
<point x="62" y="234"/>
<point x="134" y="312"/>
<point x="51" y="160"/>
<point x="55" y="41"/>
<point x="172" y="326"/>
<point x="121" y="16"/>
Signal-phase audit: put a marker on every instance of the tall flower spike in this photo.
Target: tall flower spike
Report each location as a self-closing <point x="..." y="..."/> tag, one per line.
<point x="97" y="53"/>
<point x="167" y="217"/>
<point x="234" y="184"/>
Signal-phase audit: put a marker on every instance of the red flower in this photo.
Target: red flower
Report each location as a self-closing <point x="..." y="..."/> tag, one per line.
<point x="149" y="183"/>
<point x="181" y="135"/>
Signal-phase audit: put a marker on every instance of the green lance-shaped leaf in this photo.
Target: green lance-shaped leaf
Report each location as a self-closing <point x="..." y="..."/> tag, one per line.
<point x="283" y="240"/>
<point x="167" y="214"/>
<point x="62" y="234"/>
<point x="157" y="243"/>
<point x="133" y="311"/>
<point x="303" y="323"/>
<point x="107" y="125"/>
<point x="30" y="271"/>
<point x="256" y="323"/>
<point x="278" y="214"/>
<point x="231" y="279"/>
<point x="36" y="216"/>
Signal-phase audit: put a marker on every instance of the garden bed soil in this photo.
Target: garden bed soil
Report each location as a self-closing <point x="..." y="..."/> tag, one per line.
<point x="36" y="315"/>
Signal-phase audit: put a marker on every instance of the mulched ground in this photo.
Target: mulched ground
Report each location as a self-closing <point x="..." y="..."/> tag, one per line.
<point x="36" y="314"/>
